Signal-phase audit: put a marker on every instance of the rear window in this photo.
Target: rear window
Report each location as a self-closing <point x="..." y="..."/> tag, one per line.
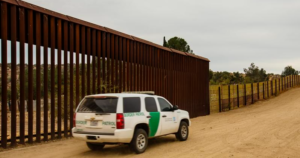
<point x="98" y="105"/>
<point x="132" y="104"/>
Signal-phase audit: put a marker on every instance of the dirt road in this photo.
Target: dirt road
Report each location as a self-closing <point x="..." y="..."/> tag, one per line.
<point x="269" y="128"/>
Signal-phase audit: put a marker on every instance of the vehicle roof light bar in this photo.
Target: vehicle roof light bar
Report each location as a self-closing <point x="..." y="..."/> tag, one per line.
<point x="141" y="92"/>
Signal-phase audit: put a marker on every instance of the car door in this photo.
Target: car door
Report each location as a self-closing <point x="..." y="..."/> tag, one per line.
<point x="168" y="119"/>
<point x="153" y="116"/>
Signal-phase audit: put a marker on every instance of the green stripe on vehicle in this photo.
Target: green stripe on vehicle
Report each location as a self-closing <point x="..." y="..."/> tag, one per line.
<point x="154" y="122"/>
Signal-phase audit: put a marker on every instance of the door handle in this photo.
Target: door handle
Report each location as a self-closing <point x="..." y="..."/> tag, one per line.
<point x="148" y="116"/>
<point x="164" y="116"/>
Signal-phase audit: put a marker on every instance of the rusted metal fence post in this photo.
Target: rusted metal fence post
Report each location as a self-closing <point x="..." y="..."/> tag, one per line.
<point x="229" y="97"/>
<point x="263" y="90"/>
<point x="258" y="91"/>
<point x="268" y="89"/>
<point x="245" y="95"/>
<point x="279" y="85"/>
<point x="238" y="95"/>
<point x="252" y="97"/>
<point x="272" y="93"/>
<point x="275" y="87"/>
<point x="13" y="132"/>
<point x="220" y="103"/>
<point x="4" y="35"/>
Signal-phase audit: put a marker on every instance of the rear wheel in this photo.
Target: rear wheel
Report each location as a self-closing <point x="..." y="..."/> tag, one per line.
<point x="183" y="131"/>
<point x="95" y="146"/>
<point x="139" y="141"/>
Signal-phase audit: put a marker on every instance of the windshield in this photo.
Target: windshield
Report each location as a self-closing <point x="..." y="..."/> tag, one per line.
<point x="98" y="105"/>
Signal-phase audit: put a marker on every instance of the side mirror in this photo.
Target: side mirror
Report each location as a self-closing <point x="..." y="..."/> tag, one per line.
<point x="175" y="107"/>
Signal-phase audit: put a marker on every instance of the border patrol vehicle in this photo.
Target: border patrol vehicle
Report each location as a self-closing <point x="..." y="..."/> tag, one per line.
<point x="128" y="118"/>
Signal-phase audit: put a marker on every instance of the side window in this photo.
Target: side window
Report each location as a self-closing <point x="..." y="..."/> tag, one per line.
<point x="150" y="104"/>
<point x="164" y="105"/>
<point x="132" y="104"/>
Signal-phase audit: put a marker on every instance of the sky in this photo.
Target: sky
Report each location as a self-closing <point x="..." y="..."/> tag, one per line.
<point x="231" y="33"/>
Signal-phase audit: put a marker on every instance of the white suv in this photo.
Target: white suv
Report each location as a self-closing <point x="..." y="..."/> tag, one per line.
<point x="128" y="118"/>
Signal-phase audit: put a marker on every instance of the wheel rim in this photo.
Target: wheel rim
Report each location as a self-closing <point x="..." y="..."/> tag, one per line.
<point x="141" y="141"/>
<point x="184" y="131"/>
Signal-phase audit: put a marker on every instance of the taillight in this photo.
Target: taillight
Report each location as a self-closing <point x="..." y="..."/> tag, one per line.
<point x="74" y="120"/>
<point x="120" y="121"/>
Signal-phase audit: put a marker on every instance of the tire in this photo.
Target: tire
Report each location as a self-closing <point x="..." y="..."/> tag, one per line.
<point x="95" y="146"/>
<point x="183" y="131"/>
<point x="139" y="141"/>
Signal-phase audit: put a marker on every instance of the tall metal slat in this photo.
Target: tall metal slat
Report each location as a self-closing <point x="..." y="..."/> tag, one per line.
<point x="108" y="61"/>
<point x="45" y="44"/>
<point x="22" y="73"/>
<point x="127" y="66"/>
<point x="112" y="64"/>
<point x="147" y="68"/>
<point x="151" y="69"/>
<point x="159" y="71"/>
<point x="59" y="47"/>
<point x="142" y="67"/>
<point x="71" y="108"/>
<point x="120" y="64"/>
<point x="52" y="45"/>
<point x="135" y="60"/>
<point x="174" y="80"/>
<point x="88" y="49"/>
<point x="134" y="66"/>
<point x="83" y="51"/>
<point x="116" y="65"/>
<point x="13" y="25"/>
<point x="38" y="75"/>
<point x="124" y="64"/>
<point x="129" y="49"/>
<point x="4" y="30"/>
<point x="30" y="76"/>
<point x="156" y="74"/>
<point x="138" y="61"/>
<point x="66" y="44"/>
<point x="77" y="47"/>
<point x="149" y="78"/>
<point x="103" y="39"/>
<point x="99" y="55"/>
<point x="94" y="80"/>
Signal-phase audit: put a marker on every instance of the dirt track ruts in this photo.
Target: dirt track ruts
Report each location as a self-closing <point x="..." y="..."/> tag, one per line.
<point x="268" y="128"/>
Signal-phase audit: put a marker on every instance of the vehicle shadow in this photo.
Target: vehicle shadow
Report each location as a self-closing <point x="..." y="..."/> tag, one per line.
<point x="124" y="150"/>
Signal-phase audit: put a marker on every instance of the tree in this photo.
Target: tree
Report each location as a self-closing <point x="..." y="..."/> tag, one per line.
<point x="178" y="44"/>
<point x="237" y="78"/>
<point x="225" y="77"/>
<point x="221" y="78"/>
<point x="165" y="42"/>
<point x="211" y="74"/>
<point x="289" y="70"/>
<point x="254" y="74"/>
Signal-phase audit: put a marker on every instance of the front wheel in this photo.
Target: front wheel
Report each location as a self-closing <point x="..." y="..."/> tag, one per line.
<point x="139" y="141"/>
<point x="95" y="146"/>
<point x="183" y="131"/>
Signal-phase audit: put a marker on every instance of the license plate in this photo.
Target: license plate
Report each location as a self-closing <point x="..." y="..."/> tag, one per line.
<point x="94" y="123"/>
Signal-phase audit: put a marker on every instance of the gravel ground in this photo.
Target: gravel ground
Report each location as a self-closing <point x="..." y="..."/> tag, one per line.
<point x="266" y="129"/>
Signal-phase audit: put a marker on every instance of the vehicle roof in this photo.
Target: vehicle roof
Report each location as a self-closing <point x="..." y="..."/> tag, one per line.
<point x="122" y="95"/>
